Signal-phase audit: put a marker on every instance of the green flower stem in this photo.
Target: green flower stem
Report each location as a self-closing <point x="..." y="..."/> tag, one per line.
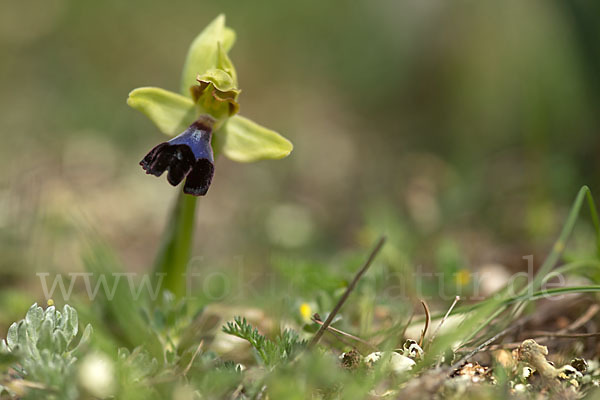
<point x="174" y="254"/>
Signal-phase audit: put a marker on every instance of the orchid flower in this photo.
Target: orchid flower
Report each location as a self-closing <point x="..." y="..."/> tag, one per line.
<point x="203" y="116"/>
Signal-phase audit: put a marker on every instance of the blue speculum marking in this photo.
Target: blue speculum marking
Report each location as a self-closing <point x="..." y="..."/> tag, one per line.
<point x="187" y="156"/>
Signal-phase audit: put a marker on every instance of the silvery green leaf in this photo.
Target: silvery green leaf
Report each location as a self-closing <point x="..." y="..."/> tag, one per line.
<point x="85" y="338"/>
<point x="123" y="353"/>
<point x="60" y="342"/>
<point x="22" y="337"/>
<point x="172" y="113"/>
<point x="34" y="319"/>
<point x="34" y="315"/>
<point x="243" y="140"/>
<point x="72" y="321"/>
<point x="144" y="363"/>
<point x="60" y="320"/>
<point x="86" y="335"/>
<point x="12" y="336"/>
<point x="50" y="315"/>
<point x="45" y="335"/>
<point x="46" y="355"/>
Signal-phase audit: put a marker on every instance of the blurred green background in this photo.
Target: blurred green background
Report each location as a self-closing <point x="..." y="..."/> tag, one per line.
<point x="461" y="129"/>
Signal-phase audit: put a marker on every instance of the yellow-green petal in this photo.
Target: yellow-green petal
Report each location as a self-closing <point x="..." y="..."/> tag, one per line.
<point x="224" y="63"/>
<point x="203" y="54"/>
<point x="243" y="140"/>
<point x="170" y="112"/>
<point x="222" y="80"/>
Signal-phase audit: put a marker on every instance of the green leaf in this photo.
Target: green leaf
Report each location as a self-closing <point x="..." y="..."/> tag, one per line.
<point x="60" y="342"/>
<point x="120" y="306"/>
<point x="34" y="315"/>
<point x="34" y="319"/>
<point x="171" y="112"/>
<point x="85" y="337"/>
<point x="243" y="140"/>
<point x="50" y="315"/>
<point x="12" y="337"/>
<point x="204" y="51"/>
<point x="45" y="336"/>
<point x="23" y="340"/>
<point x="72" y="321"/>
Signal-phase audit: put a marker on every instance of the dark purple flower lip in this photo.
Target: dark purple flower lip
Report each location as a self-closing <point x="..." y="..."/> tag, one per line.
<point x="188" y="156"/>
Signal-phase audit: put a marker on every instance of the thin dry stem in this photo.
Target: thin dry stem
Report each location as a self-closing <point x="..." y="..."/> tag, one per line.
<point x="427" y="322"/>
<point x="456" y="299"/>
<point x="349" y="290"/>
<point x="342" y="333"/>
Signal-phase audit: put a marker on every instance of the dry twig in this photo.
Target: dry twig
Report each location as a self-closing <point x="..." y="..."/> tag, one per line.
<point x="456" y="299"/>
<point x="427" y="321"/>
<point x="491" y="340"/>
<point x="583" y="319"/>
<point x="550" y="335"/>
<point x="349" y="290"/>
<point x="189" y="366"/>
<point x="342" y="333"/>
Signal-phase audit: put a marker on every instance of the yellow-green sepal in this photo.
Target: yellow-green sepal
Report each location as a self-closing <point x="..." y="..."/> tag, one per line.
<point x="206" y="51"/>
<point x="171" y="112"/>
<point x="243" y="140"/>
